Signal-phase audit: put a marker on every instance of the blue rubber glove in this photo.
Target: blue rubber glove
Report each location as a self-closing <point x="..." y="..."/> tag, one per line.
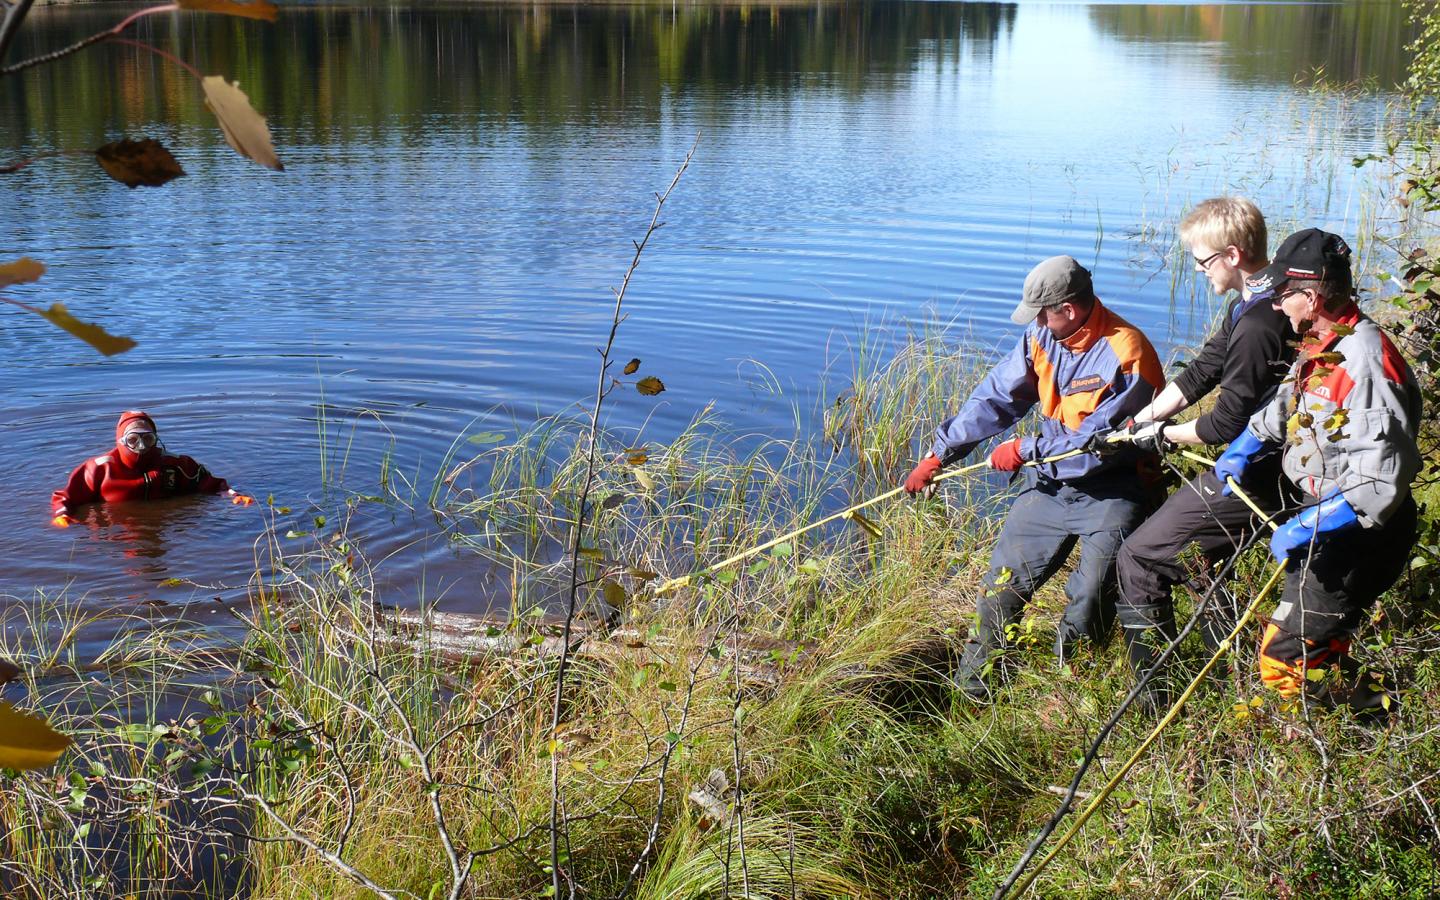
<point x="1333" y="513"/>
<point x="1241" y="452"/>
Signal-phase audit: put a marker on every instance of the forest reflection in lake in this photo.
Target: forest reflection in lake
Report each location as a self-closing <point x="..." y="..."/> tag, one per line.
<point x="463" y="182"/>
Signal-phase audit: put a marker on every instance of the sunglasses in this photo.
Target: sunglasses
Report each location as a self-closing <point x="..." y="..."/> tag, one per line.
<point x="1205" y="263"/>
<point x="139" y="440"/>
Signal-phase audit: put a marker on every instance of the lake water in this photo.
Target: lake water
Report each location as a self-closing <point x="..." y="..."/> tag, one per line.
<point x="462" y="185"/>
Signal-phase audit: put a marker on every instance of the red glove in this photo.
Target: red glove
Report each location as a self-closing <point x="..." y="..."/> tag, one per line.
<point x="62" y="520"/>
<point x="920" y="478"/>
<point x="240" y="499"/>
<point x="1006" y="457"/>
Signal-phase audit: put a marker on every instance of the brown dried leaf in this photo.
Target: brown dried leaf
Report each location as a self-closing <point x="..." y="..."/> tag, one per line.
<point x="93" y="335"/>
<point x="133" y="163"/>
<point x="255" y="9"/>
<point x="632" y="367"/>
<point x="8" y="671"/>
<point x="636" y="457"/>
<point x="245" y="129"/>
<point x="650" y="386"/>
<point x="21" y="271"/>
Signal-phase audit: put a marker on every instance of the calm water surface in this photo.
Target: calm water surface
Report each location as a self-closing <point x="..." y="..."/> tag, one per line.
<point x="462" y="185"/>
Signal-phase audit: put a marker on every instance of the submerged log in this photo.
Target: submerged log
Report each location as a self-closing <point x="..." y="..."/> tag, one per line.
<point x="466" y="638"/>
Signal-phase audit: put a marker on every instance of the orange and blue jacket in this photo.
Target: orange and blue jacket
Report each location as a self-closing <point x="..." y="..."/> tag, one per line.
<point x="1090" y="382"/>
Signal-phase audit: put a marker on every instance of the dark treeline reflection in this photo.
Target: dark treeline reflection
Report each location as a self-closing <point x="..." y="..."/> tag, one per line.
<point x="329" y="72"/>
<point x="1351" y="42"/>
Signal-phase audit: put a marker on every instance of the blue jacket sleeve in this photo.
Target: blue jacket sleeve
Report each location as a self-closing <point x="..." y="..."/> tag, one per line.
<point x="998" y="402"/>
<point x="1131" y="394"/>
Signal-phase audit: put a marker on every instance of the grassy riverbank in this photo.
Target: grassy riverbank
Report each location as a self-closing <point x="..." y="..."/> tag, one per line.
<point x="355" y="756"/>
<point x="779" y="729"/>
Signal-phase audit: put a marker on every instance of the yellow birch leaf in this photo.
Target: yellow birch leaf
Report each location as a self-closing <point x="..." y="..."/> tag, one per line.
<point x="93" y="335"/>
<point x="645" y="480"/>
<point x="650" y="386"/>
<point x="21" y="271"/>
<point x="245" y="129"/>
<point x="255" y="9"/>
<point x="866" y="525"/>
<point x="26" y="741"/>
<point x="614" y="594"/>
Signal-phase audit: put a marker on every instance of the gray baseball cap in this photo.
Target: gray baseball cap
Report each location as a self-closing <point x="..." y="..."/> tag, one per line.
<point x="1053" y="281"/>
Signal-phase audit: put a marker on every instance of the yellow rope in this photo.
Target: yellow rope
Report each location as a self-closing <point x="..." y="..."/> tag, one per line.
<point x="1175" y="708"/>
<point x="673" y="583"/>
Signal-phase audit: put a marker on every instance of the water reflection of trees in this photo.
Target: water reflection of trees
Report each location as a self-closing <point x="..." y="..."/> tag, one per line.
<point x="1352" y="41"/>
<point x="330" y="71"/>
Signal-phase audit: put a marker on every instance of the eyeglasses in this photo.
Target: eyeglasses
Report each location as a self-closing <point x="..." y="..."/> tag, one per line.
<point x="1205" y="263"/>
<point x="139" y="440"/>
<point x="1284" y="295"/>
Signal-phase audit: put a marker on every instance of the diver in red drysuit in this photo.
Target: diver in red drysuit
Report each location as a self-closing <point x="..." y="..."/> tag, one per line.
<point x="137" y="469"/>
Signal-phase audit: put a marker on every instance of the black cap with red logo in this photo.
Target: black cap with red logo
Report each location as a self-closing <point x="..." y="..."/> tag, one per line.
<point x="1309" y="255"/>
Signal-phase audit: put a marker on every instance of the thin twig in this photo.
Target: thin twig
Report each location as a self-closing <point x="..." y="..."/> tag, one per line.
<point x="602" y="388"/>
<point x="92" y="39"/>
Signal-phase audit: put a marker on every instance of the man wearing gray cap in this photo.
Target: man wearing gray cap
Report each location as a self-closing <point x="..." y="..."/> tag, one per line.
<point x="1088" y="371"/>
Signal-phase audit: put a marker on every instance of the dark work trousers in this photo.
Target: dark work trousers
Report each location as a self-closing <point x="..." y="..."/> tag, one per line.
<point x="1195" y="530"/>
<point x="1325" y="598"/>
<point x="1046" y="522"/>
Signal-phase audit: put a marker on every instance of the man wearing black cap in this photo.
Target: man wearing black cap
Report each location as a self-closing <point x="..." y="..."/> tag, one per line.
<point x="1345" y="424"/>
<point x="1088" y="370"/>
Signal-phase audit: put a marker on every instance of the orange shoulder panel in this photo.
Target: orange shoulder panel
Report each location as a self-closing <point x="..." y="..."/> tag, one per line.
<point x="1134" y="351"/>
<point x="1045" y="377"/>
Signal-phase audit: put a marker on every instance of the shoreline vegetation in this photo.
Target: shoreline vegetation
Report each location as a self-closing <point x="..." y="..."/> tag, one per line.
<point x="779" y="729"/>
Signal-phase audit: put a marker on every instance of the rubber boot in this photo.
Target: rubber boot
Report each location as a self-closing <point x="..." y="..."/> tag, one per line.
<point x="996" y="612"/>
<point x="1148" y="630"/>
<point x="1361" y="691"/>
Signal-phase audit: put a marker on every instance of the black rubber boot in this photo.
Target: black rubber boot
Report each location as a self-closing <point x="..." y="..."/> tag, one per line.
<point x="1361" y="691"/>
<point x="1148" y="630"/>
<point x="997" y="612"/>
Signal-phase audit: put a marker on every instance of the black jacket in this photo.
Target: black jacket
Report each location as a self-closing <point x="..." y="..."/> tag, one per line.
<point x="1247" y="357"/>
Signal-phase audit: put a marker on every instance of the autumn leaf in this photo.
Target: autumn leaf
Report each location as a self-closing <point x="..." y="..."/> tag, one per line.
<point x="26" y="741"/>
<point x="133" y="163"/>
<point x="650" y="386"/>
<point x="21" y="271"/>
<point x="245" y="129"/>
<point x="636" y="457"/>
<point x="632" y="367"/>
<point x="866" y="525"/>
<point x="614" y="594"/>
<point x="255" y="9"/>
<point x="93" y="335"/>
<point x="8" y="671"/>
